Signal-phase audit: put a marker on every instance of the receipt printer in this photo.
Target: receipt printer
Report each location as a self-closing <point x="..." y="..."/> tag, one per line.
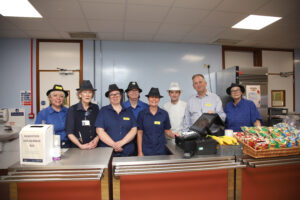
<point x="195" y="141"/>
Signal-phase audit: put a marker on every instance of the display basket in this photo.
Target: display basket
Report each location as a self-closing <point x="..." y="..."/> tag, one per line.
<point x="268" y="153"/>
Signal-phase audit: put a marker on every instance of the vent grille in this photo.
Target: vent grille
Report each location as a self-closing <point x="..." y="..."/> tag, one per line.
<point x="224" y="41"/>
<point x="83" y="35"/>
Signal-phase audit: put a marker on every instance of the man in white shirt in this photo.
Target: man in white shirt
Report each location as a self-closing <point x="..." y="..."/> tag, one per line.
<point x="175" y="108"/>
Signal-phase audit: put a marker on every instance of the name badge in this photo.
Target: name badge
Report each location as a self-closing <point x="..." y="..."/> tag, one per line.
<point x="157" y="122"/>
<point x="208" y="105"/>
<point x="126" y="118"/>
<point x="85" y="122"/>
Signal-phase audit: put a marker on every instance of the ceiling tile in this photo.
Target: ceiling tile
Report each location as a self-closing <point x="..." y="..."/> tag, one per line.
<point x="106" y="26"/>
<point x="110" y="36"/>
<point x="6" y="24"/>
<point x="168" y="38"/>
<point x="146" y="13"/>
<point x="13" y="34"/>
<point x="279" y="8"/>
<point x="42" y="34"/>
<point x="138" y="37"/>
<point x="202" y="4"/>
<point x="141" y="27"/>
<point x="185" y="16"/>
<point x="106" y="1"/>
<point x="174" y="29"/>
<point x="206" y="31"/>
<point x="152" y="2"/>
<point x="95" y="10"/>
<point x="69" y="25"/>
<point x="240" y="6"/>
<point x="236" y="34"/>
<point x="31" y="23"/>
<point x="58" y="9"/>
<point x="223" y="19"/>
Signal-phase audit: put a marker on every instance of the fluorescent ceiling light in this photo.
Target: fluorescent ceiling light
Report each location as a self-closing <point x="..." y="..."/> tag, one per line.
<point x="256" y="22"/>
<point x="18" y="8"/>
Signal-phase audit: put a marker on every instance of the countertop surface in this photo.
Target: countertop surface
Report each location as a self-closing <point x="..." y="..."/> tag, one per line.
<point x="74" y="158"/>
<point x="175" y="157"/>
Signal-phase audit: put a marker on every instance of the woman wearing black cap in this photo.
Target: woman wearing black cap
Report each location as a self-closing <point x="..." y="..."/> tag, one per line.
<point x="81" y="119"/>
<point x="153" y="123"/>
<point x="240" y="112"/>
<point x="116" y="125"/>
<point x="55" y="113"/>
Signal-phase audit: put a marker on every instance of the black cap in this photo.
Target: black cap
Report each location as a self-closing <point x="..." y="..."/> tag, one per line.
<point x="113" y="87"/>
<point x="86" y="85"/>
<point x="235" y="85"/>
<point x="154" y="92"/>
<point x="57" y="87"/>
<point x="133" y="85"/>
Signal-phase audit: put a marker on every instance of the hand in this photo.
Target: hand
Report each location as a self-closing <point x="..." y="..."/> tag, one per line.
<point x="210" y="112"/>
<point x="117" y="148"/>
<point x="140" y="154"/>
<point x="175" y="134"/>
<point x="94" y="142"/>
<point x="84" y="146"/>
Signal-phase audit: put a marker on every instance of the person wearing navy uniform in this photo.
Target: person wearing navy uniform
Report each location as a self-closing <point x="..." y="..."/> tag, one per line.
<point x="80" y="124"/>
<point x="56" y="113"/>
<point x="240" y="111"/>
<point x="153" y="123"/>
<point x="133" y="93"/>
<point x="116" y="125"/>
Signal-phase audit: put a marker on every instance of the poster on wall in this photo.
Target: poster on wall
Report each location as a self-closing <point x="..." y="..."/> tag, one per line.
<point x="253" y="93"/>
<point x="25" y="96"/>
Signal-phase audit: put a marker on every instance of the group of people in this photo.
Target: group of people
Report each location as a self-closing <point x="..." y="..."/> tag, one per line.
<point x="137" y="128"/>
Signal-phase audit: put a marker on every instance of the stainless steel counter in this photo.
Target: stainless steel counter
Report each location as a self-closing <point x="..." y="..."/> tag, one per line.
<point x="172" y="163"/>
<point x="75" y="165"/>
<point x="74" y="158"/>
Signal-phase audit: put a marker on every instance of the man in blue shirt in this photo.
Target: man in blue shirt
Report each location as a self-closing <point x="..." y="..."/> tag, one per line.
<point x="116" y="125"/>
<point x="240" y="112"/>
<point x="133" y="103"/>
<point x="56" y="113"/>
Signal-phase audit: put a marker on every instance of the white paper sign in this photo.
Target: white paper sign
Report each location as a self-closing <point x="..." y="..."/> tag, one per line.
<point x="253" y="93"/>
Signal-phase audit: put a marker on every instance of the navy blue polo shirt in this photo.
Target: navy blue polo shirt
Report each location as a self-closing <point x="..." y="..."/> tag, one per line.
<point x="117" y="126"/>
<point x="244" y="113"/>
<point x="153" y="127"/>
<point x="74" y="123"/>
<point x="139" y="107"/>
<point x="58" y="119"/>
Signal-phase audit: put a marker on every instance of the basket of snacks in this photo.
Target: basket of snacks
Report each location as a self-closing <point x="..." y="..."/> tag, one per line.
<point x="265" y="142"/>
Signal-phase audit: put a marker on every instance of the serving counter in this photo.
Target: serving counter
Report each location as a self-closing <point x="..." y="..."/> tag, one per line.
<point x="174" y="177"/>
<point x="269" y="178"/>
<point x="78" y="175"/>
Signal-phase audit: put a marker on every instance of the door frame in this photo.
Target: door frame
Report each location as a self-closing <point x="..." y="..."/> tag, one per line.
<point x="38" y="64"/>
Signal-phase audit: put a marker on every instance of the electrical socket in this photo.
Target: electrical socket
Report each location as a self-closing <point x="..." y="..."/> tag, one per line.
<point x="206" y="66"/>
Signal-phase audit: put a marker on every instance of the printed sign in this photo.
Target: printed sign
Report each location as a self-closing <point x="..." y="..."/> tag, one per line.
<point x="253" y="93"/>
<point x="25" y="98"/>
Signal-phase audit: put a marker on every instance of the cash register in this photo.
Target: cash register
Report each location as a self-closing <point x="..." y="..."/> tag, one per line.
<point x="195" y="141"/>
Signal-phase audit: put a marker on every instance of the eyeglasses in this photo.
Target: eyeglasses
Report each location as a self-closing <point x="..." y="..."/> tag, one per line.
<point x="234" y="91"/>
<point x="114" y="95"/>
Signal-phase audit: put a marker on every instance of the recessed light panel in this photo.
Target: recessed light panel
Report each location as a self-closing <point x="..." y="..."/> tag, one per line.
<point x="18" y="8"/>
<point x="256" y="22"/>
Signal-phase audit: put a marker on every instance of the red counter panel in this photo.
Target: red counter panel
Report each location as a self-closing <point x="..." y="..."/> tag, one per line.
<point x="67" y="190"/>
<point x="176" y="186"/>
<point x="278" y="182"/>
